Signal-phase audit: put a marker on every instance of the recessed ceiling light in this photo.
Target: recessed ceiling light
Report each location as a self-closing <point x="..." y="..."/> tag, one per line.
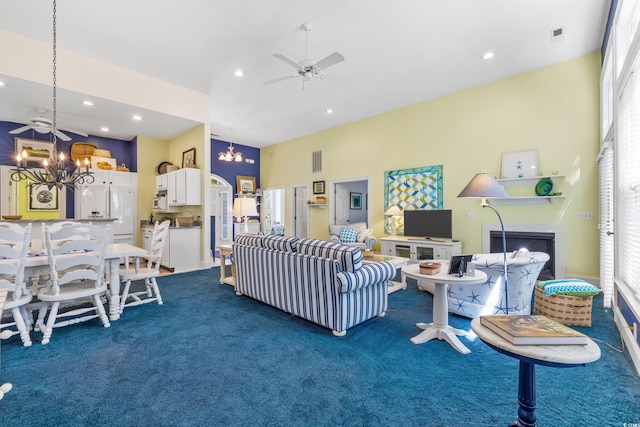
<point x="239" y="73"/>
<point x="487" y="55"/>
<point x="104" y="129"/>
<point x="136" y="117"/>
<point x="2" y="83"/>
<point x="329" y="111"/>
<point x="88" y="103"/>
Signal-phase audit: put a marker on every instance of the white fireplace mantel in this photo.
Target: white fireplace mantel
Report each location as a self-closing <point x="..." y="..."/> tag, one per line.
<point x="559" y="240"/>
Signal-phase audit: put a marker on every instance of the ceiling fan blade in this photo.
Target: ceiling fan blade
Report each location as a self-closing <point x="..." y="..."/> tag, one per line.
<point x="342" y="81"/>
<point x="77" y="132"/>
<point x="20" y="130"/>
<point x="281" y="79"/>
<point x="330" y="60"/>
<point x="289" y="61"/>
<point x="62" y="136"/>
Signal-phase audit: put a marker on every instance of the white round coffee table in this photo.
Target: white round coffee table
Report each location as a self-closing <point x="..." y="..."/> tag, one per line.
<point x="440" y="328"/>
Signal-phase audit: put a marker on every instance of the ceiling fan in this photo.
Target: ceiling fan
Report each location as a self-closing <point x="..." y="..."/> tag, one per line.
<point x="307" y="68"/>
<point x="43" y="125"/>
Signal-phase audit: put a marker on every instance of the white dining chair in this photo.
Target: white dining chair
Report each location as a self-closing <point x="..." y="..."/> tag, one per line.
<point x="76" y="257"/>
<point x="14" y="247"/>
<point x="145" y="268"/>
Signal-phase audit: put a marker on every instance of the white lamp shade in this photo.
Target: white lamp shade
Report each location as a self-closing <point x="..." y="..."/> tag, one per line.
<point x="245" y="206"/>
<point x="483" y="185"/>
<point x="394" y="210"/>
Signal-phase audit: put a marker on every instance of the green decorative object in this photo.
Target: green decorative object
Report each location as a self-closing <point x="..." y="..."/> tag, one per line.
<point x="544" y="187"/>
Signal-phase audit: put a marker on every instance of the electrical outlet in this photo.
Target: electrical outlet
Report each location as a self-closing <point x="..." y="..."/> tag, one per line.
<point x="586" y="216"/>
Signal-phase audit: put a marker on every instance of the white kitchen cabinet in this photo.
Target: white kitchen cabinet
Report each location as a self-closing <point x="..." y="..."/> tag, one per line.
<point x="162" y="182"/>
<point x="182" y="249"/>
<point x="123" y="179"/>
<point x="418" y="250"/>
<point x="184" y="187"/>
<point x="147" y="234"/>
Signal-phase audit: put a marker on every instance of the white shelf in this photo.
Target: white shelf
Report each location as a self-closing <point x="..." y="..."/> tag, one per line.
<point x="317" y="205"/>
<point x="533" y="200"/>
<point x="527" y="181"/>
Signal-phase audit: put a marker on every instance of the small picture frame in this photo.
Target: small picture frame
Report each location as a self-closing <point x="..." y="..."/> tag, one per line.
<point x="37" y="151"/>
<point x="245" y="184"/>
<point x="520" y="164"/>
<point x="43" y="198"/>
<point x="356" y="201"/>
<point x="318" y="187"/>
<point x="189" y="158"/>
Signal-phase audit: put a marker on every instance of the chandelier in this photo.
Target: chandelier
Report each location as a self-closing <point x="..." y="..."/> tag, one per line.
<point x="55" y="172"/>
<point x="230" y="155"/>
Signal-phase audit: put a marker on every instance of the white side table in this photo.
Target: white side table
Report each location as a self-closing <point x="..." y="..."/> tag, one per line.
<point x="557" y="356"/>
<point x="398" y="262"/>
<point x="440" y="328"/>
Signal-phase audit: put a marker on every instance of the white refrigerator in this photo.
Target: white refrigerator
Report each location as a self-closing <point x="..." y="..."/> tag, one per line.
<point x="109" y="198"/>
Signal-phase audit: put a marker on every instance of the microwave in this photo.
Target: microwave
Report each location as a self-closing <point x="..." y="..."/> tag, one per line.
<point x="160" y="202"/>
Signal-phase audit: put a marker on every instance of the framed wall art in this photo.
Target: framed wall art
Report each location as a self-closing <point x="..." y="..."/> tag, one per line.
<point x="43" y="198"/>
<point x="356" y="201"/>
<point x="245" y="184"/>
<point x="318" y="187"/>
<point x="520" y="164"/>
<point x="189" y="158"/>
<point x="413" y="189"/>
<point x="37" y="151"/>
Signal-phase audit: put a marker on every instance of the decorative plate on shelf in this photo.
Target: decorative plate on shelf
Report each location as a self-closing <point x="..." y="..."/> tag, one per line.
<point x="544" y="187"/>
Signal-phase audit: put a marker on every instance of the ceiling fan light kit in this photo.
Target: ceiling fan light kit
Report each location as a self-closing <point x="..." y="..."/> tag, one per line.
<point x="307" y="68"/>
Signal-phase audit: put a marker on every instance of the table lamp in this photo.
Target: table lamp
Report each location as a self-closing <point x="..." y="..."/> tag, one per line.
<point x="244" y="207"/>
<point x="393" y="212"/>
<point x="484" y="186"/>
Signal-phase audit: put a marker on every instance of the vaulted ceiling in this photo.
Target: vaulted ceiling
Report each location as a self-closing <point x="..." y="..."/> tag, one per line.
<point x="396" y="54"/>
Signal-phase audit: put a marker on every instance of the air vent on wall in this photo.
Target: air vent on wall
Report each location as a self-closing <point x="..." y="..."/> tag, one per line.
<point x="316" y="161"/>
<point x="557" y="34"/>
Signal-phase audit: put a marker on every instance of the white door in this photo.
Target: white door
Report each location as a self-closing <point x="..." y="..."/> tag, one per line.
<point x="342" y="204"/>
<point x="221" y="208"/>
<point x="301" y="211"/>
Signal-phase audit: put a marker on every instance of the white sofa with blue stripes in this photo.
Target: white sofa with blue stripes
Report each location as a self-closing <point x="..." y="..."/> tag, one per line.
<point x="323" y="282"/>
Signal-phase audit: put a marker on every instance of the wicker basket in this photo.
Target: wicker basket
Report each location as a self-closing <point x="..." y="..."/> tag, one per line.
<point x="81" y="150"/>
<point x="185" y="221"/>
<point x="568" y="310"/>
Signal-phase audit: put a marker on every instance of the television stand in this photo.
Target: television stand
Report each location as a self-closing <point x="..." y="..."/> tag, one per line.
<point x="419" y="249"/>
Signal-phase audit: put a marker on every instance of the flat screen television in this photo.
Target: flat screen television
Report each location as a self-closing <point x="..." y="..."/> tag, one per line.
<point x="428" y="223"/>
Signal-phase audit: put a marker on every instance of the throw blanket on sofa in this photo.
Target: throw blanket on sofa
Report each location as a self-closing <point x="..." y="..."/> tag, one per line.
<point x="320" y="281"/>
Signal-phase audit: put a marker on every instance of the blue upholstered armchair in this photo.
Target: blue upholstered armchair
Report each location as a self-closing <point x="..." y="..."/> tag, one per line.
<point x="356" y="234"/>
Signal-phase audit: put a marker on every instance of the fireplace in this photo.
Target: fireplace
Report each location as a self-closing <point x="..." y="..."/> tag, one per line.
<point x="531" y="241"/>
<point x="547" y="238"/>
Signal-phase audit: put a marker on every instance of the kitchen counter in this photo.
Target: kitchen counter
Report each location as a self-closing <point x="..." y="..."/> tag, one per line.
<point x="147" y="223"/>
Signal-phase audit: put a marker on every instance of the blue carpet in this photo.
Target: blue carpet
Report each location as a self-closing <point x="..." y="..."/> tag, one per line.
<point x="208" y="357"/>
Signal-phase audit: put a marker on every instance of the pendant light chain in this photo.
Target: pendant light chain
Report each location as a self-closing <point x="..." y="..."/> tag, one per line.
<point x="55" y="128"/>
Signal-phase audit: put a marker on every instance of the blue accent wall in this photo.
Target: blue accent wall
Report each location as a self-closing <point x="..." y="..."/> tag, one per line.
<point x="229" y="170"/>
<point x="122" y="151"/>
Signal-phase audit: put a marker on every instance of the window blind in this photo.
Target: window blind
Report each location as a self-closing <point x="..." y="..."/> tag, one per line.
<point x="605" y="172"/>
<point x="628" y="184"/>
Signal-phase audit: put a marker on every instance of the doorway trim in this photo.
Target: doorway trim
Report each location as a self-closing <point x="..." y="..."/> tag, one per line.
<point x="332" y="192"/>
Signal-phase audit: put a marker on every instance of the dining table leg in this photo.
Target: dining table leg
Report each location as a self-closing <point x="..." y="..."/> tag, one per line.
<point x="114" y="288"/>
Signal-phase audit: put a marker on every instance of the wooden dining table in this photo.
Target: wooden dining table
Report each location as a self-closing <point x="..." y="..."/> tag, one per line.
<point x="35" y="265"/>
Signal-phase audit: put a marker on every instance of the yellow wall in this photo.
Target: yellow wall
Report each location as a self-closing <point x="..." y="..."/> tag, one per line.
<point x="554" y="110"/>
<point x="152" y="152"/>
